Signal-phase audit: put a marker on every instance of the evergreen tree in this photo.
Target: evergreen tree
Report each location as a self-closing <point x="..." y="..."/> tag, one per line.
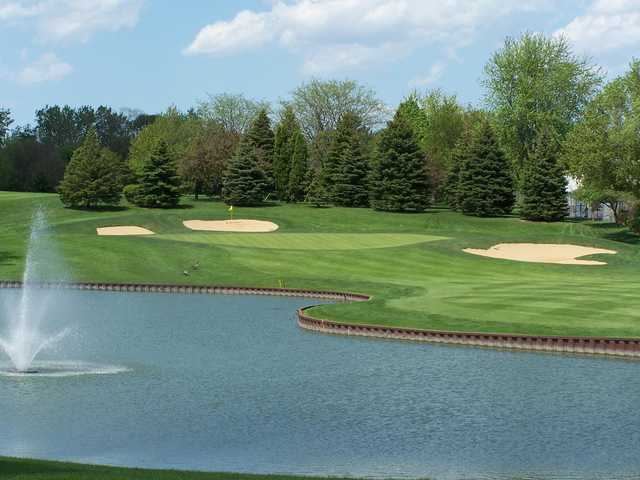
<point x="347" y="166"/>
<point x="261" y="137"/>
<point x="93" y="176"/>
<point x="159" y="184"/>
<point x="453" y="181"/>
<point x="486" y="186"/>
<point x="283" y="152"/>
<point x="452" y="184"/>
<point x="544" y="184"/>
<point x="317" y="194"/>
<point x="299" y="174"/>
<point x="245" y="183"/>
<point x="341" y="141"/>
<point x="399" y="179"/>
<point x="351" y="187"/>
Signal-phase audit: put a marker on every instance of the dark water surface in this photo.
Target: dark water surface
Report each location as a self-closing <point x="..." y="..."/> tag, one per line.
<point x="232" y="384"/>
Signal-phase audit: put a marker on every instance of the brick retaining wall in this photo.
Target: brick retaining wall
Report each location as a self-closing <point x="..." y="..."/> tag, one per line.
<point x="625" y="347"/>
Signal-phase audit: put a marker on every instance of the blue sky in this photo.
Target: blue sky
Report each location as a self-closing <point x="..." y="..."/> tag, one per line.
<point x="148" y="54"/>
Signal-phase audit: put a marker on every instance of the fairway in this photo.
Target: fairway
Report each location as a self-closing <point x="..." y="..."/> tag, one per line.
<point x="413" y="265"/>
<point x="304" y="241"/>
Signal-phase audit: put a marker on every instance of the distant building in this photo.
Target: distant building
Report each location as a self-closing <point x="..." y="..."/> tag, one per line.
<point x="579" y="209"/>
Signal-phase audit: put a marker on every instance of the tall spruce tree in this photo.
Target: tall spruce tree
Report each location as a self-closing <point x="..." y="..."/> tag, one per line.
<point x="458" y="156"/>
<point x="261" y="137"/>
<point x="486" y="186"/>
<point x="245" y="183"/>
<point x="351" y="182"/>
<point x="283" y="152"/>
<point x="317" y="194"/>
<point x="159" y="184"/>
<point x="347" y="168"/>
<point x="399" y="179"/>
<point x="341" y="141"/>
<point x="93" y="176"/>
<point x="299" y="175"/>
<point x="544" y="185"/>
<point x="452" y="183"/>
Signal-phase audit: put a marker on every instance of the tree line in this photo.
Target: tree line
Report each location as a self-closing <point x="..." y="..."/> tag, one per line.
<point x="547" y="114"/>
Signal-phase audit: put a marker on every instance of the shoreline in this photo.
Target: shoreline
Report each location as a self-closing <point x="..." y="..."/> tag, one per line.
<point x="607" y="346"/>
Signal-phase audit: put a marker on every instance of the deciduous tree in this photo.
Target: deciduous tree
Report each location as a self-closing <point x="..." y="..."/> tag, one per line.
<point x="603" y="149"/>
<point x="319" y="105"/>
<point x="533" y="82"/>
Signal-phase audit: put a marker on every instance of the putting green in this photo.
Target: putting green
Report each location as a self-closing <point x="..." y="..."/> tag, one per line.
<point x="303" y="241"/>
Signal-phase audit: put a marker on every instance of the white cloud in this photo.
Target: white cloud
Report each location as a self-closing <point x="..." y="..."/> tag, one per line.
<point x="72" y="19"/>
<point x="247" y="30"/>
<point x="46" y="68"/>
<point x="16" y="10"/>
<point x="606" y="25"/>
<point x="434" y="74"/>
<point x="333" y="35"/>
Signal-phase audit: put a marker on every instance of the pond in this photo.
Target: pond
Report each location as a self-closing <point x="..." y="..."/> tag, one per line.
<point x="230" y="383"/>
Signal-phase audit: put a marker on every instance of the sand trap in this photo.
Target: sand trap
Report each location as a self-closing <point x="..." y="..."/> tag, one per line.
<point x="541" y="253"/>
<point x="231" y="225"/>
<point x="123" y="230"/>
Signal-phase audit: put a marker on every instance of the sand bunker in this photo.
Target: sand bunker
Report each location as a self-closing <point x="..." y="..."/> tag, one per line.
<point x="231" y="225"/>
<point x="541" y="253"/>
<point x="123" y="230"/>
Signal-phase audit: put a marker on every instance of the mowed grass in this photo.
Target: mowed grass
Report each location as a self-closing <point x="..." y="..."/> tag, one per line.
<point x="24" y="469"/>
<point x="412" y="264"/>
<point x="302" y="241"/>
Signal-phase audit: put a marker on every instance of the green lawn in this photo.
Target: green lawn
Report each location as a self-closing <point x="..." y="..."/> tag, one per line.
<point x="19" y="469"/>
<point x="412" y="264"/>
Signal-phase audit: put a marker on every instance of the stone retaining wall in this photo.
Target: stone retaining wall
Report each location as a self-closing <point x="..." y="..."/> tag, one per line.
<point x="627" y="347"/>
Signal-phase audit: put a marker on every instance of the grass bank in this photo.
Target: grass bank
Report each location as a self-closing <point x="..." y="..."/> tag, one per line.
<point x="26" y="469"/>
<point x="412" y="264"/>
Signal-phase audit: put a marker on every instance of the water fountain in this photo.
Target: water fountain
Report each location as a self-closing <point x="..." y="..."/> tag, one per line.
<point x="26" y="333"/>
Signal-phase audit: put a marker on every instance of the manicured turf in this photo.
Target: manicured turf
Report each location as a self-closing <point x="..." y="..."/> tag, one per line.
<point x="303" y="241"/>
<point x="19" y="469"/>
<point x="412" y="264"/>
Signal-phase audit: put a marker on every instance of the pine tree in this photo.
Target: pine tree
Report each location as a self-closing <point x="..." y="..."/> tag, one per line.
<point x="343" y="139"/>
<point x="283" y="152"/>
<point x="544" y="185"/>
<point x="452" y="184"/>
<point x="245" y="183"/>
<point x="317" y="194"/>
<point x="298" y="176"/>
<point x="486" y="186"/>
<point x="399" y="180"/>
<point x="93" y="176"/>
<point x="159" y="184"/>
<point x="261" y="137"/>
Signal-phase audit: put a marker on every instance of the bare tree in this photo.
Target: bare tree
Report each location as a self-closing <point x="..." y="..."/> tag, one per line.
<point x="234" y="112"/>
<point x="319" y="105"/>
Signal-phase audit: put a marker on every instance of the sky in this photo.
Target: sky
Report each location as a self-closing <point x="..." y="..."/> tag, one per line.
<point x="150" y="54"/>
